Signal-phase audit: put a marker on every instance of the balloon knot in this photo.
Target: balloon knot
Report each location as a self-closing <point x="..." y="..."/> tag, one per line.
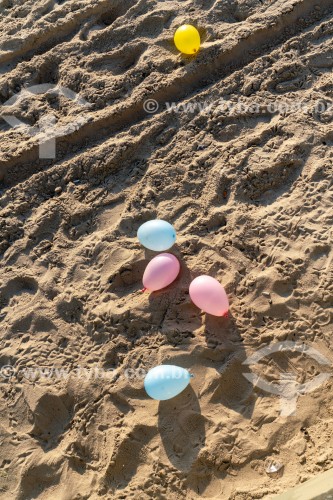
<point x="226" y="315"/>
<point x="143" y="290"/>
<point x="191" y="375"/>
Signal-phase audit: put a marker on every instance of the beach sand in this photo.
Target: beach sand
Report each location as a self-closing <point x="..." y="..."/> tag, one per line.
<point x="248" y="190"/>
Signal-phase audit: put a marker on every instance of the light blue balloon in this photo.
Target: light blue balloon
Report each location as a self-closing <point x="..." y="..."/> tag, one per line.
<point x="157" y="235"/>
<point x="166" y="381"/>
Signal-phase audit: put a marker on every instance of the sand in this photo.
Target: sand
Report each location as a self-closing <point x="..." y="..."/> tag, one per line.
<point x="319" y="488"/>
<point x="249" y="191"/>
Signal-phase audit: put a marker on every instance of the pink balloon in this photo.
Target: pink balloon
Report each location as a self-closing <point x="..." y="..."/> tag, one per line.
<point x="161" y="271"/>
<point x="209" y="295"/>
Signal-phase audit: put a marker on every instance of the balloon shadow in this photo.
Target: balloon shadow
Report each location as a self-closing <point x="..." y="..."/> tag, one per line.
<point x="172" y="313"/>
<point x="175" y="250"/>
<point x="233" y="390"/>
<point x="182" y="428"/>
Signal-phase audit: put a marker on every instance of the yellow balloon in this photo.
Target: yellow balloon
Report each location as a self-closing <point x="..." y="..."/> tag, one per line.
<point x="187" y="39"/>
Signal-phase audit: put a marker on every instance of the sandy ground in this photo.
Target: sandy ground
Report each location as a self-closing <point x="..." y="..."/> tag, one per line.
<point x="249" y="193"/>
<point x="319" y="487"/>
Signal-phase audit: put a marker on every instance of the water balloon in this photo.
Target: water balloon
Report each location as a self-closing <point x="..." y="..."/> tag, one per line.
<point x="157" y="235"/>
<point x="160" y="272"/>
<point x="209" y="295"/>
<point x="187" y="39"/>
<point x="166" y="381"/>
